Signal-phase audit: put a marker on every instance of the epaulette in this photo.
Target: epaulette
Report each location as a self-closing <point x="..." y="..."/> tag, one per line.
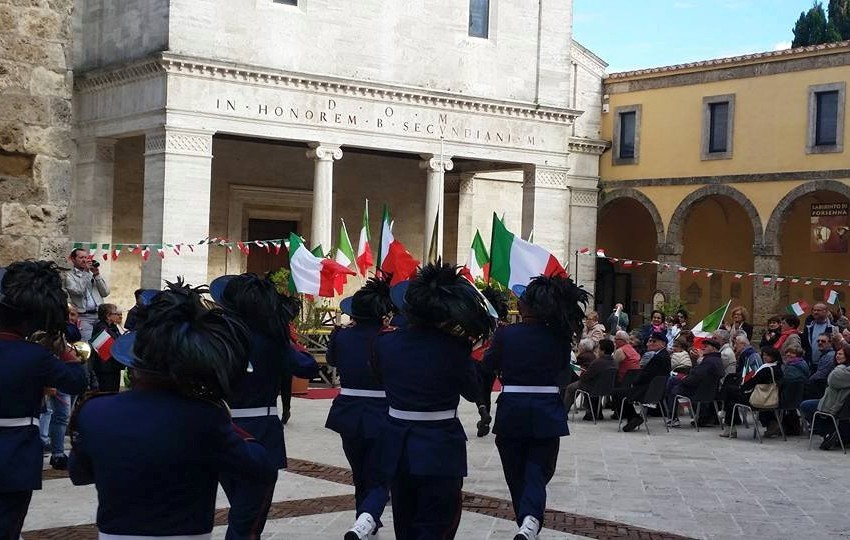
<point x="85" y="398"/>
<point x="387" y="329"/>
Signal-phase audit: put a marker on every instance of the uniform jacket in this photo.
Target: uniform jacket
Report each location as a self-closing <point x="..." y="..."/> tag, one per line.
<point x="424" y="369"/>
<point x="261" y="387"/>
<point x="25" y="369"/>
<point x="155" y="457"/>
<point x="350" y="352"/>
<point x="529" y="354"/>
<point x="80" y="283"/>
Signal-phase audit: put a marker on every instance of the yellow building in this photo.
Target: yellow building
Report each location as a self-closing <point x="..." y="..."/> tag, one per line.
<point x="721" y="165"/>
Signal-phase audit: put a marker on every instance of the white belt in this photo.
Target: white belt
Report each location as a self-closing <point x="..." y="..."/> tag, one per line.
<point x="423" y="415"/>
<point x="105" y="536"/>
<point x="514" y="389"/>
<point x="356" y="392"/>
<point x="18" y="422"/>
<point x="250" y="413"/>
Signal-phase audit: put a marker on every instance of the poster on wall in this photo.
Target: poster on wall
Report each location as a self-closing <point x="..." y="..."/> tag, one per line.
<point x="830" y="231"/>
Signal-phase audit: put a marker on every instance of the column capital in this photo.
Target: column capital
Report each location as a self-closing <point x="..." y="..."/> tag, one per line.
<point x="166" y="140"/>
<point x="324" y="152"/>
<point x="431" y="162"/>
<point x="536" y="176"/>
<point x="583" y="197"/>
<point x="96" y="150"/>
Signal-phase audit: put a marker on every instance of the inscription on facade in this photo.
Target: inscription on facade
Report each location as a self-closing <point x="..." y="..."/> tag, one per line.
<point x="390" y="119"/>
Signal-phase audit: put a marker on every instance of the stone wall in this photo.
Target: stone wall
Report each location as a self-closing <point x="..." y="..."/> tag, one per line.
<point x="35" y="128"/>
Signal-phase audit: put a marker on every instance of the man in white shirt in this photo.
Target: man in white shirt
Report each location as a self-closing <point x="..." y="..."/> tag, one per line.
<point x="86" y="289"/>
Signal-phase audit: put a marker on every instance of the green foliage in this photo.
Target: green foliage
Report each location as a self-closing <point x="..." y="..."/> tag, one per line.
<point x="312" y="311"/>
<point x="672" y="305"/>
<point x="480" y="284"/>
<point x="813" y="28"/>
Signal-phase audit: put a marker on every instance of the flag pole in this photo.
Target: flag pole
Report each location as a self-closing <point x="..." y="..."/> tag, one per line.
<point x="723" y="318"/>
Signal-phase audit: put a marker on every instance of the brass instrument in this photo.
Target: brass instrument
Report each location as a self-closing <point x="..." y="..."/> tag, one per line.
<point x="82" y="349"/>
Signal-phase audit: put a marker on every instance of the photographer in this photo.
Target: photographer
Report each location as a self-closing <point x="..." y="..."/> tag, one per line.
<point x="86" y="289"/>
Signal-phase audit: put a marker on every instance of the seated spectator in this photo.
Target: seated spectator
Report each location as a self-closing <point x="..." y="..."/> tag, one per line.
<point x="788" y="334"/>
<point x="626" y="358"/>
<point x="593" y="329"/>
<point x="659" y="364"/>
<point x="771" y="334"/>
<point x="598" y="368"/>
<point x="708" y="371"/>
<point x="739" y="315"/>
<point x="837" y="391"/>
<point x="769" y="372"/>
<point x="727" y="353"/>
<point x="688" y="336"/>
<point x="656" y="324"/>
<point x="795" y="369"/>
<point x="816" y="385"/>
<point x="680" y="360"/>
<point x="586" y="352"/>
<point x="637" y="342"/>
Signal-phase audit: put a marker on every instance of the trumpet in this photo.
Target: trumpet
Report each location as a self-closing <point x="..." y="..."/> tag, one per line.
<point x="82" y="349"/>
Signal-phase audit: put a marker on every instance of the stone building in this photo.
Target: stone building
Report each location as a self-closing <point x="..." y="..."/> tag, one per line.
<point x="727" y="164"/>
<point x="35" y="128"/>
<point x="248" y="119"/>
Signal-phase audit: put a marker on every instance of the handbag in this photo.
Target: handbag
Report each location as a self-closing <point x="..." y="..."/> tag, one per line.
<point x="766" y="396"/>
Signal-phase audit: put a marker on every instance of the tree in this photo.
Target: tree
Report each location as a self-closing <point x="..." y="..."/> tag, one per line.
<point x="839" y="18"/>
<point x="812" y="27"/>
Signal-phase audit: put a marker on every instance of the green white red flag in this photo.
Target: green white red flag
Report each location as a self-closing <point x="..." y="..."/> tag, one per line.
<point x="309" y="274"/>
<point x="478" y="263"/>
<point x="799" y="307"/>
<point x="365" y="260"/>
<point x="102" y="343"/>
<point x="393" y="257"/>
<point x="344" y="253"/>
<point x="513" y="261"/>
<point x="712" y="322"/>
<point x="830" y="296"/>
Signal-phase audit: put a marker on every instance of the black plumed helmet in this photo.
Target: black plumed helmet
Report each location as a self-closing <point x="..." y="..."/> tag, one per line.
<point x="498" y="299"/>
<point x="200" y="347"/>
<point x="32" y="298"/>
<point x="373" y="300"/>
<point x="257" y="302"/>
<point x="442" y="298"/>
<point x="557" y="302"/>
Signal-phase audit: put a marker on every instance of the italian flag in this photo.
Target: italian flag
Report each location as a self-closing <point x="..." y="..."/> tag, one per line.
<point x="478" y="264"/>
<point x="309" y="274"/>
<point x="747" y="373"/>
<point x="344" y="253"/>
<point x="102" y="343"/>
<point x="799" y="307"/>
<point x="513" y="261"/>
<point x="393" y="257"/>
<point x="707" y="326"/>
<point x="364" y="250"/>
<point x="830" y="296"/>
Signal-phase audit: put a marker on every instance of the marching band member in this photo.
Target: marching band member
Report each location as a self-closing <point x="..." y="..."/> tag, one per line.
<point x="499" y="301"/>
<point x="254" y="402"/>
<point x="359" y="412"/>
<point x="425" y="368"/>
<point x="31" y="301"/>
<point x="531" y="417"/>
<point x="155" y="453"/>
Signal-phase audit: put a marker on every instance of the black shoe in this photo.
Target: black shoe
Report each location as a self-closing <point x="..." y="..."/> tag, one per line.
<point x="589" y="417"/>
<point x="483" y="425"/>
<point x="60" y="463"/>
<point x="829" y="442"/>
<point x="615" y="415"/>
<point x="632" y="424"/>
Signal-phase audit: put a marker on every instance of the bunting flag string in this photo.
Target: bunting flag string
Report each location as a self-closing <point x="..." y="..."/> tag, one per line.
<point x="114" y="251"/>
<point x="767" y="279"/>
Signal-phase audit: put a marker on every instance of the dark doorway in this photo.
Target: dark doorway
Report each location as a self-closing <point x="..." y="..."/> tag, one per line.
<point x="262" y="260"/>
<point x="613" y="287"/>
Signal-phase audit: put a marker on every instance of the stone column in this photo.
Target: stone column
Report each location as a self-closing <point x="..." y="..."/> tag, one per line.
<point x="546" y="207"/>
<point x="178" y="178"/>
<point x="667" y="281"/>
<point x="582" y="233"/>
<point x="90" y="218"/>
<point x="435" y="187"/>
<point x="764" y="297"/>
<point x="323" y="183"/>
<point x="465" y="216"/>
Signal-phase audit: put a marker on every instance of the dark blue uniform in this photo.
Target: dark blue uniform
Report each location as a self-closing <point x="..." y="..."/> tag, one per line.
<point x="424" y="372"/>
<point x="155" y="457"/>
<point x="530" y="417"/>
<point x="359" y="414"/>
<point x="254" y="409"/>
<point x="25" y="369"/>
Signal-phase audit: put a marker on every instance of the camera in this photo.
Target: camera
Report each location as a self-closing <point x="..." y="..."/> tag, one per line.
<point x="95" y="264"/>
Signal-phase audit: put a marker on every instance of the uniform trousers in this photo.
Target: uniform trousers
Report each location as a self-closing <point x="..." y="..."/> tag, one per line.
<point x="529" y="465"/>
<point x="426" y="507"/>
<point x="13" y="510"/>
<point x="249" y="506"/>
<point x="370" y="495"/>
<point x="485" y="391"/>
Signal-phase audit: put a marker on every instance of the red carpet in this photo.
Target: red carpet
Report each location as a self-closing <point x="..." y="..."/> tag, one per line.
<point x="318" y="393"/>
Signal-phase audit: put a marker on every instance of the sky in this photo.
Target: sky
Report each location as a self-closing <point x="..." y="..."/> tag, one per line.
<point x="638" y="34"/>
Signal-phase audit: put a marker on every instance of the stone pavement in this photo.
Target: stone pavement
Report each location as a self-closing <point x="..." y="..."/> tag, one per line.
<point x="608" y="485"/>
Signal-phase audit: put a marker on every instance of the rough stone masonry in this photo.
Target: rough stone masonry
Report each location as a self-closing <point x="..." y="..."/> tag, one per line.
<point x="36" y="148"/>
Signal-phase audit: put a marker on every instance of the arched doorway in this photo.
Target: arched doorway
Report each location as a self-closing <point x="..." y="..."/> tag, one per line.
<point x="629" y="229"/>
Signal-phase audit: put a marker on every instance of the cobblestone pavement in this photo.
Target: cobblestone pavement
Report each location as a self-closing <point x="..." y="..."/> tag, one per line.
<point x="608" y="485"/>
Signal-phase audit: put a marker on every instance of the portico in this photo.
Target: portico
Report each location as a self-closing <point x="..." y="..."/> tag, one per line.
<point x="208" y="146"/>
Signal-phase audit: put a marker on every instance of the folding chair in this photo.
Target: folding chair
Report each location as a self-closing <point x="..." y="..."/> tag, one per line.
<point x="706" y="392"/>
<point x="842" y="416"/>
<point x="603" y="386"/>
<point x="654" y="395"/>
<point x="790" y="397"/>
